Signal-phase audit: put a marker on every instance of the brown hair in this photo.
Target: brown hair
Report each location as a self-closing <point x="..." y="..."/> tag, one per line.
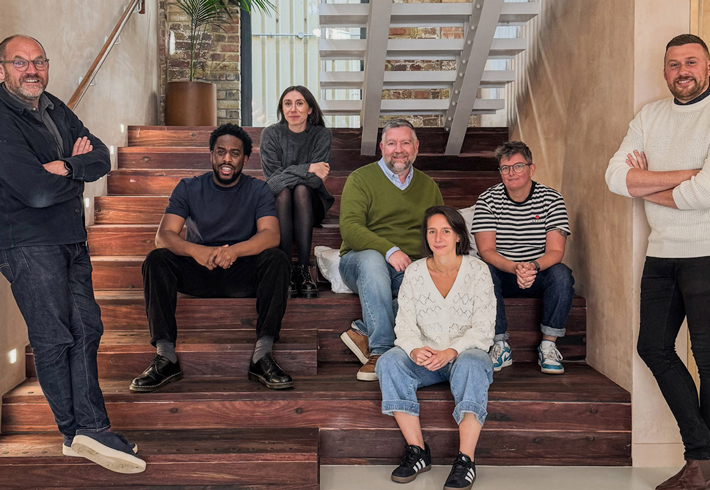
<point x="683" y="39"/>
<point x="457" y="224"/>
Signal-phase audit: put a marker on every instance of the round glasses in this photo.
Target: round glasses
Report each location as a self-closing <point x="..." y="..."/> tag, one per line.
<point x="518" y="167"/>
<point x="19" y="64"/>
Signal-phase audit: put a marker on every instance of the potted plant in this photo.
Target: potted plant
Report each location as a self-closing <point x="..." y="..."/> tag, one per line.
<point x="194" y="102"/>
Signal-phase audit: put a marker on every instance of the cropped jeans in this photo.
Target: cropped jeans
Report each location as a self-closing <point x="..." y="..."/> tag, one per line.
<point x="554" y="285"/>
<point x="368" y="274"/>
<point x="671" y="291"/>
<point x="469" y="375"/>
<point x="53" y="289"/>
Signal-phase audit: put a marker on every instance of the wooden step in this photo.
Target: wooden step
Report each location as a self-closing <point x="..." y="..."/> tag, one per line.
<point x="431" y="140"/>
<point x="529" y="411"/>
<point x="162" y="182"/>
<point x="258" y="459"/>
<point x="150" y="209"/>
<point x="141" y="157"/>
<point x="204" y="352"/>
<point x="140" y="239"/>
<point x="330" y="314"/>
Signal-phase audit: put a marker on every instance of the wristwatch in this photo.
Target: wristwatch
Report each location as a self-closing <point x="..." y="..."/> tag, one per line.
<point x="537" y="266"/>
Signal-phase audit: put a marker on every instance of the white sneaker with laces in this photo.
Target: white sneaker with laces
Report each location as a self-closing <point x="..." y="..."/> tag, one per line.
<point x="500" y="355"/>
<point x="548" y="358"/>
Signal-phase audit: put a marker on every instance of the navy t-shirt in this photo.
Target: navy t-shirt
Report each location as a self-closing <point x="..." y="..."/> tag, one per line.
<point x="217" y="216"/>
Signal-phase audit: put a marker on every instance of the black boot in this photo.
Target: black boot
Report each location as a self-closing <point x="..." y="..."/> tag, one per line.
<point x="269" y="373"/>
<point x="293" y="282"/>
<point x="306" y="286"/>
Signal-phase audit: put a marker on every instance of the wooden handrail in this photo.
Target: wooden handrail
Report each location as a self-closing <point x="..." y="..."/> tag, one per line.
<point x="103" y="54"/>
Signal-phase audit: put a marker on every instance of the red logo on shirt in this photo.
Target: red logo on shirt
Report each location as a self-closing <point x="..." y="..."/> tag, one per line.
<point x="537" y="216"/>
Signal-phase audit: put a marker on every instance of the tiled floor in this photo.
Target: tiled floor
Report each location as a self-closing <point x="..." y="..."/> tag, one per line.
<point x="501" y="478"/>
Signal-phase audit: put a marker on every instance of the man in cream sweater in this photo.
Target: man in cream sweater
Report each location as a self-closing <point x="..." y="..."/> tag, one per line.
<point x="664" y="160"/>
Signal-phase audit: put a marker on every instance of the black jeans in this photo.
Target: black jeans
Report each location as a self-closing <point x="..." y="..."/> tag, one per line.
<point x="53" y="289"/>
<point x="671" y="290"/>
<point x="165" y="274"/>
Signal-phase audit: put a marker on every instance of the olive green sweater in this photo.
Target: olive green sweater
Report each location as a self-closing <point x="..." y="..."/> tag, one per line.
<point x="376" y="215"/>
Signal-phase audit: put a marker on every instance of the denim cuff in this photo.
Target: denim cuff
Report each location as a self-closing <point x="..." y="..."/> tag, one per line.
<point x="410" y="408"/>
<point x="501" y="337"/>
<point x="553" y="332"/>
<point x="91" y="431"/>
<point x="470" y="407"/>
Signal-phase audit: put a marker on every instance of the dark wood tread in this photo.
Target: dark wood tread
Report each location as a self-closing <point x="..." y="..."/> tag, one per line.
<point x="520" y="382"/>
<point x="249" y="458"/>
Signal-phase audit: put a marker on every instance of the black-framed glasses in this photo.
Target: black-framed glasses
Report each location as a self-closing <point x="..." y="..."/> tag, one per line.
<point x="518" y="167"/>
<point x="20" y="64"/>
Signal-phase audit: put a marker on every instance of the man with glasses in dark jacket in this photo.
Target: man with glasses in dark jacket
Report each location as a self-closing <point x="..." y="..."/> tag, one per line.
<point x="46" y="155"/>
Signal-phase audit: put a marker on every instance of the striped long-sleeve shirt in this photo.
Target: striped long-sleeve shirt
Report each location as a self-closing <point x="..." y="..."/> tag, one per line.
<point x="521" y="227"/>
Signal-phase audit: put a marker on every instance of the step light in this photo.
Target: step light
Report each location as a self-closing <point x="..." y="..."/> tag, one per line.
<point x="13" y="356"/>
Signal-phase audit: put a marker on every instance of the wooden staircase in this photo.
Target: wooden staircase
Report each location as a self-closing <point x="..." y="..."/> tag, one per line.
<point x="215" y="428"/>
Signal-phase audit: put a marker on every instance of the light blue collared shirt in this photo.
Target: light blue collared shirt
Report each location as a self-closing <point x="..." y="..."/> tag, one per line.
<point x="394" y="178"/>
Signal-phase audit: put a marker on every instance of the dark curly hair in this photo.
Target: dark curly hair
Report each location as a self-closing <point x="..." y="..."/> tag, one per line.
<point x="234" y="130"/>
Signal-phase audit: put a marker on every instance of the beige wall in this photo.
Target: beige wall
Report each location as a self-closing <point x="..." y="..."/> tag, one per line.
<point x="590" y="68"/>
<point x="73" y="32"/>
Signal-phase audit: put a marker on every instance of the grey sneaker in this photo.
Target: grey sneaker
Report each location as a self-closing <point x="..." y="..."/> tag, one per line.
<point x="110" y="450"/>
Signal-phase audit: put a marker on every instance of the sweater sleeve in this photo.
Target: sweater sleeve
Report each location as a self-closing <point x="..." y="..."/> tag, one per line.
<point x="483" y="317"/>
<point x="320" y="153"/>
<point x="694" y="193"/>
<point x="617" y="169"/>
<point x="354" y="205"/>
<point x="407" y="333"/>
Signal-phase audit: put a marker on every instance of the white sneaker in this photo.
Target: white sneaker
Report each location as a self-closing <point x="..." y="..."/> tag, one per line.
<point x="500" y="355"/>
<point x="548" y="358"/>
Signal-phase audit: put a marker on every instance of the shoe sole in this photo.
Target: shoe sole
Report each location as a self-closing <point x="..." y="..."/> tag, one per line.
<point x="407" y="479"/>
<point x="366" y="376"/>
<point x="309" y="294"/>
<point x="111" y="459"/>
<point x="507" y="363"/>
<point x="68" y="451"/>
<point x="354" y="348"/>
<point x="461" y="488"/>
<point x="551" y="371"/>
<point x="149" y="389"/>
<point x="293" y="294"/>
<point x="272" y="386"/>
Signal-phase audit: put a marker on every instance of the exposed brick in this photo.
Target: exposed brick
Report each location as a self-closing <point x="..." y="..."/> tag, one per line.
<point x="217" y="56"/>
<point x="229" y="47"/>
<point x="421" y="94"/>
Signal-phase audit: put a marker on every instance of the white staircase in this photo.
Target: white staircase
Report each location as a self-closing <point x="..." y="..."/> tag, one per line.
<point x="478" y="19"/>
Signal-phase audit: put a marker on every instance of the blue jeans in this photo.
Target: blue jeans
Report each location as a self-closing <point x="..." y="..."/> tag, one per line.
<point x="52" y="287"/>
<point x="469" y="375"/>
<point x="553" y="285"/>
<point x="368" y="274"/>
<point x="671" y="291"/>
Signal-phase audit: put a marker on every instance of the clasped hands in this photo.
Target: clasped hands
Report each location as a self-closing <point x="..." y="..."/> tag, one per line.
<point x="321" y="169"/>
<point x="81" y="146"/>
<point x="526" y="274"/>
<point x="213" y="257"/>
<point x="433" y="359"/>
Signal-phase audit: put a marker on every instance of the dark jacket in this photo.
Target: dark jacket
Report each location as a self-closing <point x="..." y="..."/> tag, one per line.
<point x="37" y="207"/>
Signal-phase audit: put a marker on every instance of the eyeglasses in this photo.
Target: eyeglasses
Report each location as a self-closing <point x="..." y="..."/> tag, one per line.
<point x="41" y="64"/>
<point x="518" y="167"/>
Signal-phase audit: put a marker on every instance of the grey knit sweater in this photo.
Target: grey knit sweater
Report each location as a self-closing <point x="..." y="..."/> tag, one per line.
<point x="286" y="156"/>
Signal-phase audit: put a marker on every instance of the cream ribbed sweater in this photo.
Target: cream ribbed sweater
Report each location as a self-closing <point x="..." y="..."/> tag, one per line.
<point x="674" y="137"/>
<point x="463" y="320"/>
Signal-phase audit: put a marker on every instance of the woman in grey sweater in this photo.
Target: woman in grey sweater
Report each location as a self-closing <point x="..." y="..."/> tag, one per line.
<point x="294" y="157"/>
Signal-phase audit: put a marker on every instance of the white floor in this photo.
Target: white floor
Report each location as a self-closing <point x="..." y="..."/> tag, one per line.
<point x="501" y="478"/>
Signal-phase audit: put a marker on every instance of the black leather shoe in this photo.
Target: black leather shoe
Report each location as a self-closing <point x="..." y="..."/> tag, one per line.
<point x="305" y="284"/>
<point x="160" y="372"/>
<point x="269" y="373"/>
<point x="292" y="284"/>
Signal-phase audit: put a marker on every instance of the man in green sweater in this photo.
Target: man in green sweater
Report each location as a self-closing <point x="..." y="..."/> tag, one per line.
<point x="381" y="213"/>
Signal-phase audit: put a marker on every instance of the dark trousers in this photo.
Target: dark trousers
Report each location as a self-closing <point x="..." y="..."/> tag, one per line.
<point x="554" y="285"/>
<point x="52" y="287"/>
<point x="671" y="290"/>
<point x="165" y="274"/>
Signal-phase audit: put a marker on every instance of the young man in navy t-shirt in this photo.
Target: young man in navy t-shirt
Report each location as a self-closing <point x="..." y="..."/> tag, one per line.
<point x="230" y="249"/>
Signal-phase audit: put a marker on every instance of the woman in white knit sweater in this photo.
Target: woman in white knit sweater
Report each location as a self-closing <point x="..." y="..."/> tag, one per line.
<point x="444" y="329"/>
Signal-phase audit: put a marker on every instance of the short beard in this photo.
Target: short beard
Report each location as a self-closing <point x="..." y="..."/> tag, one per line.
<point x="226" y="182"/>
<point x="683" y="97"/>
<point x="408" y="165"/>
<point x="19" y="92"/>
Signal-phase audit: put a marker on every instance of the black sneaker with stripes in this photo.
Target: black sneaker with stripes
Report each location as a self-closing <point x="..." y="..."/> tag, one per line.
<point x="463" y="474"/>
<point x="416" y="460"/>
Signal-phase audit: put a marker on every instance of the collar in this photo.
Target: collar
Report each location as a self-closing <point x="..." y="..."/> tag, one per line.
<point x="393" y="177"/>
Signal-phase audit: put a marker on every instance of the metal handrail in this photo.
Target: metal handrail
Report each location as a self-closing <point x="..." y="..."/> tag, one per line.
<point x="138" y="5"/>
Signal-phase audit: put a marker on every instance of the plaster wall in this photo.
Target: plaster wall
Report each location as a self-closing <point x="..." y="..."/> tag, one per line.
<point x="73" y="32"/>
<point x="590" y="67"/>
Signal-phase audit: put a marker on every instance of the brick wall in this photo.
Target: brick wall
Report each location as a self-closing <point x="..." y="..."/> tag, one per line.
<point x="219" y="59"/>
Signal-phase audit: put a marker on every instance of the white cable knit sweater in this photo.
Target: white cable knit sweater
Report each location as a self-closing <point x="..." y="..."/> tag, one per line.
<point x="674" y="137"/>
<point x="463" y="320"/>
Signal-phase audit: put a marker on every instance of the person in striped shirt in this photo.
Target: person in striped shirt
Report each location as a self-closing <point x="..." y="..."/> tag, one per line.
<point x="520" y="227"/>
